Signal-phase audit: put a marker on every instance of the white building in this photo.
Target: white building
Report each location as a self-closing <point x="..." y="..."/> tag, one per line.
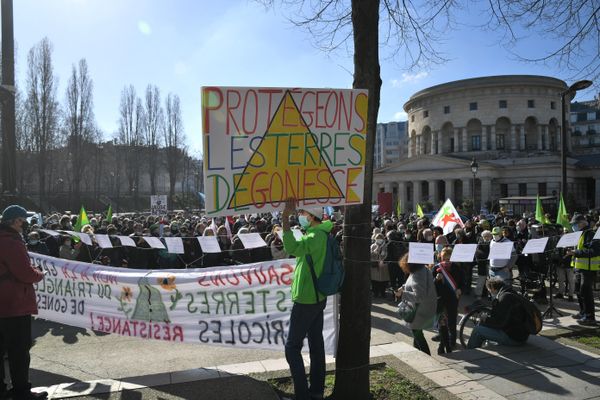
<point x="509" y="124"/>
<point x="390" y="143"/>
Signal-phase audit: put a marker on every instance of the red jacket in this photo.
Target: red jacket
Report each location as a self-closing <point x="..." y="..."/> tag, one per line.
<point x="17" y="276"/>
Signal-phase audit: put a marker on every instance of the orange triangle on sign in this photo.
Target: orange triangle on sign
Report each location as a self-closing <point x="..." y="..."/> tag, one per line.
<point x="287" y="163"/>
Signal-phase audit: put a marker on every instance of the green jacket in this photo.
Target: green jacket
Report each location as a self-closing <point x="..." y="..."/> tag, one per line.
<point x="315" y="244"/>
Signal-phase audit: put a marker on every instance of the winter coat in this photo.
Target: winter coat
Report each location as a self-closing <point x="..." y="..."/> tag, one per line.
<point x="508" y="315"/>
<point x="379" y="269"/>
<point x="420" y="289"/>
<point x="313" y="243"/>
<point x="17" y="276"/>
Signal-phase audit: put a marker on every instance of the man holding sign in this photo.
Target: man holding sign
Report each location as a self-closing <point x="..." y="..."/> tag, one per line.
<point x="307" y="312"/>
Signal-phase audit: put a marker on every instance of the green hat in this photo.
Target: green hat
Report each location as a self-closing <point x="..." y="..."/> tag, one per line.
<point x="496" y="231"/>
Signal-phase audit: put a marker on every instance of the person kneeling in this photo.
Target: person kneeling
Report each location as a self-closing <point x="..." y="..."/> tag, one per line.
<point x="506" y="324"/>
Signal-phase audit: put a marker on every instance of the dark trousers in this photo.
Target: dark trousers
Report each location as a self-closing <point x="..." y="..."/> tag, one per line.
<point x="15" y="333"/>
<point x="419" y="341"/>
<point x="396" y="275"/>
<point x="584" y="287"/>
<point x="306" y="320"/>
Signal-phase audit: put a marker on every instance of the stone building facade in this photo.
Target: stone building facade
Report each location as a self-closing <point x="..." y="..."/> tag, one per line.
<point x="510" y="124"/>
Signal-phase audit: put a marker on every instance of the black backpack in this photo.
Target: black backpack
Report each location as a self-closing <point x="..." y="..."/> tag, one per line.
<point x="533" y="316"/>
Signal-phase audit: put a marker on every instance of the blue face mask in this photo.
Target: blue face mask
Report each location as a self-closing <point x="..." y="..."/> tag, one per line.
<point x="575" y="227"/>
<point x="303" y="220"/>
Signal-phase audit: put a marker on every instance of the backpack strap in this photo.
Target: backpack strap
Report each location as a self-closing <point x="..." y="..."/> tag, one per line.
<point x="314" y="276"/>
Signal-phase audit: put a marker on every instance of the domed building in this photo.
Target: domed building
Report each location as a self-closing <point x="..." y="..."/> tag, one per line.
<point x="509" y="124"/>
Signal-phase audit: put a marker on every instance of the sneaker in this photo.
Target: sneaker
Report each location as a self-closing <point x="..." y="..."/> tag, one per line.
<point x="559" y="296"/>
<point x="587" y="321"/>
<point x="436" y="338"/>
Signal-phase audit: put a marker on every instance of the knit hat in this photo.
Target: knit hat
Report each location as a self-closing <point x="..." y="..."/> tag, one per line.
<point x="316" y="211"/>
<point x="14" y="212"/>
<point x="496" y="231"/>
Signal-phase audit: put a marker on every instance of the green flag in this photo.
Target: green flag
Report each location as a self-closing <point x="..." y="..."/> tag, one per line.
<point x="562" y="218"/>
<point x="420" y="212"/>
<point x="109" y="214"/>
<point x="398" y="208"/>
<point x="539" y="211"/>
<point x="82" y="220"/>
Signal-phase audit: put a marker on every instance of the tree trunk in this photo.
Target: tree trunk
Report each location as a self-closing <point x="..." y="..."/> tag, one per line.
<point x="352" y="363"/>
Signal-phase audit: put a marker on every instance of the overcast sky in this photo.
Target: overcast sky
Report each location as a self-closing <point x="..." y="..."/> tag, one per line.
<point x="181" y="45"/>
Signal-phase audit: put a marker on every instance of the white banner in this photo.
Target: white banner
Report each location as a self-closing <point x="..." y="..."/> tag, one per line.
<point x="245" y="306"/>
<point x="158" y="205"/>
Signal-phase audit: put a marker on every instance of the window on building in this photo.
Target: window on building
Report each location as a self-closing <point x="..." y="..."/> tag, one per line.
<point x="504" y="190"/>
<point x="412" y="118"/>
<point x="452" y="145"/>
<point x="542" y="188"/>
<point x="522" y="189"/>
<point x="553" y="105"/>
<point x="530" y="103"/>
<point x="473" y="106"/>
<point x="500" y="141"/>
<point x="475" y="143"/>
<point x="446" y="109"/>
<point x="581" y="117"/>
<point x="591" y="116"/>
<point x="502" y="104"/>
<point x="425" y="113"/>
<point x="573" y="118"/>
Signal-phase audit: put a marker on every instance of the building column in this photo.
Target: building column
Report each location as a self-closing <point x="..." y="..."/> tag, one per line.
<point x="484" y="138"/>
<point x="416" y="193"/>
<point x="539" y="138"/>
<point x="440" y="136"/>
<point x="467" y="188"/>
<point x="493" y="137"/>
<point x="376" y="188"/>
<point x="449" y="189"/>
<point x="465" y="144"/>
<point x="410" y="144"/>
<point x="418" y="146"/>
<point x="433" y="192"/>
<point x="402" y="196"/>
<point x="432" y="144"/>
<point x="522" y="137"/>
<point x="546" y="137"/>
<point x="486" y="191"/>
<point x="514" y="132"/>
<point x="387" y="187"/>
<point x="456" y="141"/>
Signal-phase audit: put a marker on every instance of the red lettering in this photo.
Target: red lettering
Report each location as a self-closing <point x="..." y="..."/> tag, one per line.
<point x="310" y="113"/>
<point x="287" y="274"/>
<point x="246" y="130"/>
<point x="320" y="107"/>
<point x="177" y="333"/>
<point x="258" y="204"/>
<point x="286" y="100"/>
<point x="333" y="95"/>
<point x="364" y="123"/>
<point x="230" y="108"/>
<point x="347" y="111"/>
<point x="208" y="107"/>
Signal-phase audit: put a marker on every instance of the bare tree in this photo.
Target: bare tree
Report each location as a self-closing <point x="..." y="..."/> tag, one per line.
<point x="41" y="107"/>
<point x="80" y="129"/>
<point x="152" y="130"/>
<point x="131" y="135"/>
<point x="174" y="140"/>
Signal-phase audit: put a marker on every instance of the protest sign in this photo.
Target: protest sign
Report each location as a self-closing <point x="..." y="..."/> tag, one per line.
<point x="463" y="253"/>
<point x="535" y="246"/>
<point x="158" y="205"/>
<point x="246" y="306"/>
<point x="420" y="253"/>
<point x="569" y="239"/>
<point x="264" y="145"/>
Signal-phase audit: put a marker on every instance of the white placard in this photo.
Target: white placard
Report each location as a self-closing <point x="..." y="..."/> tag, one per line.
<point x="154" y="242"/>
<point x="501" y="250"/>
<point x="463" y="253"/>
<point x="252" y="240"/>
<point x="158" y="205"/>
<point x="104" y="241"/>
<point x="597" y="235"/>
<point x="569" y="239"/>
<point x="535" y="246"/>
<point x="209" y="244"/>
<point x="174" y="245"/>
<point x="420" y="253"/>
<point x="127" y="241"/>
<point x="49" y="232"/>
<point x="85" y="238"/>
<point x="296" y="232"/>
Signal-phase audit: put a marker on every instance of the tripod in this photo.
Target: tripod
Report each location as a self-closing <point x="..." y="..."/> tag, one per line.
<point x="551" y="309"/>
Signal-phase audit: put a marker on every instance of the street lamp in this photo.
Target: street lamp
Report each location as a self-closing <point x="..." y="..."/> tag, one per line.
<point x="474" y="167"/>
<point x="580" y="85"/>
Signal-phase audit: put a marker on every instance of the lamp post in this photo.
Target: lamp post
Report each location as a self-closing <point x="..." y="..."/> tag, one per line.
<point x="474" y="167"/>
<point x="580" y="85"/>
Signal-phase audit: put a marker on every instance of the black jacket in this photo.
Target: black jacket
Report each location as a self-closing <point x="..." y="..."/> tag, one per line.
<point x="508" y="315"/>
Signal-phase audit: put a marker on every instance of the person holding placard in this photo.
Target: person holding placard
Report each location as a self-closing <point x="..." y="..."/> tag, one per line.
<point x="501" y="267"/>
<point x="306" y="319"/>
<point x="586" y="261"/>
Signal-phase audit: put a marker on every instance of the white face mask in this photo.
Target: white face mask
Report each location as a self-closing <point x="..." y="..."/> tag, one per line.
<point x="303" y="220"/>
<point x="379" y="241"/>
<point x="497" y="237"/>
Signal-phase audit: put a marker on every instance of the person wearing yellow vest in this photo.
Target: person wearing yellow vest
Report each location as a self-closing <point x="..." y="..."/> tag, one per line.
<point x="586" y="261"/>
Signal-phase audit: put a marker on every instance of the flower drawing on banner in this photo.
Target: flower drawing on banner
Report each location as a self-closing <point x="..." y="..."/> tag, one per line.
<point x="168" y="283"/>
<point x="125" y="297"/>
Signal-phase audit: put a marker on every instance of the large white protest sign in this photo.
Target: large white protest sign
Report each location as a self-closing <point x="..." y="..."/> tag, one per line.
<point x="535" y="246"/>
<point x="420" y="253"/>
<point x="501" y="250"/>
<point x="209" y="244"/>
<point x="463" y="253"/>
<point x="158" y="205"/>
<point x="265" y="145"/>
<point x="246" y="306"/>
<point x="569" y="239"/>
<point x="252" y="240"/>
